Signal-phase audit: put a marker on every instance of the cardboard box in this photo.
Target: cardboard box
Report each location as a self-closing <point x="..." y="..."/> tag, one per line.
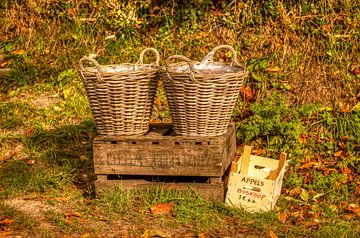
<point x="255" y="182"/>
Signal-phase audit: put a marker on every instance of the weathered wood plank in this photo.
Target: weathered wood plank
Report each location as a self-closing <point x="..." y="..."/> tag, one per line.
<point x="164" y="155"/>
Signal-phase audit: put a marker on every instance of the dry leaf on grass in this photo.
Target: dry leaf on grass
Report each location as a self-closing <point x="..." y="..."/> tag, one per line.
<point x="247" y="92"/>
<point x="162" y="208"/>
<point x="4" y="64"/>
<point x="273" y="69"/>
<point x="272" y="234"/>
<point x="18" y="52"/>
<point x="154" y="233"/>
<point x="5" y="234"/>
<point x="338" y="153"/>
<point x="30" y="162"/>
<point x="354" y="208"/>
<point x="310" y="164"/>
<point x="86" y="235"/>
<point x="6" y="222"/>
<point x="282" y="216"/>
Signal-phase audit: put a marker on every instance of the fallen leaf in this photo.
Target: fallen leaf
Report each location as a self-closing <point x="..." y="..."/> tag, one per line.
<point x="356" y="108"/>
<point x="86" y="235"/>
<point x="57" y="108"/>
<point x="343" y="107"/>
<point x="4" y="64"/>
<point x="272" y="234"/>
<point x="18" y="52"/>
<point x="5" y="233"/>
<point x="310" y="164"/>
<point x="356" y="71"/>
<point x="327" y="28"/>
<point x="310" y="223"/>
<point x="304" y="195"/>
<point x="162" y="208"/>
<point x="346" y="170"/>
<point x="7" y="222"/>
<point x="319" y="195"/>
<point x="294" y="192"/>
<point x="282" y="216"/>
<point x="273" y="69"/>
<point x="246" y="92"/>
<point x="260" y="151"/>
<point x="30" y="162"/>
<point x="154" y="233"/>
<point x="29" y="131"/>
<point x="83" y="158"/>
<point x="354" y="208"/>
<point x="338" y="153"/>
<point x="329" y="171"/>
<point x="157" y="102"/>
<point x="71" y="215"/>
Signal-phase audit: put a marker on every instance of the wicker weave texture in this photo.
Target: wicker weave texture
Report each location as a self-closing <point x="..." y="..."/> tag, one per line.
<point x="202" y="95"/>
<point x="121" y="96"/>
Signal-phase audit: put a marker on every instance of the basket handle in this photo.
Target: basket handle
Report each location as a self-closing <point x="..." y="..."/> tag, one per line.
<point x="141" y="57"/>
<point x="183" y="58"/>
<point x="97" y="66"/>
<point x="210" y="56"/>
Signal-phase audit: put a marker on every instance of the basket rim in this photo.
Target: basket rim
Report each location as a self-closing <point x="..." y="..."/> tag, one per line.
<point x="172" y="69"/>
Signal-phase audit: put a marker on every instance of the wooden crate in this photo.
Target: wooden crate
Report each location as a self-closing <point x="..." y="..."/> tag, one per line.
<point x="255" y="182"/>
<point x="210" y="188"/>
<point x="162" y="153"/>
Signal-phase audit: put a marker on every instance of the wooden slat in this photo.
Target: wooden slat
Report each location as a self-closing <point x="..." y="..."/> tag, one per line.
<point x="166" y="171"/>
<point x="244" y="168"/>
<point x="274" y="173"/>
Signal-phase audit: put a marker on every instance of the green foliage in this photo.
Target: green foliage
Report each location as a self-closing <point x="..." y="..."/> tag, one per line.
<point x="273" y="122"/>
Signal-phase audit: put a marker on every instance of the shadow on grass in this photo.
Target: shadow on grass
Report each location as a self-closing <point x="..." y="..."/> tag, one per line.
<point x="56" y="160"/>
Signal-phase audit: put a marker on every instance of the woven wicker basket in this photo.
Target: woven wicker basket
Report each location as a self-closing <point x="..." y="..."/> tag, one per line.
<point x="202" y="95"/>
<point x="121" y="95"/>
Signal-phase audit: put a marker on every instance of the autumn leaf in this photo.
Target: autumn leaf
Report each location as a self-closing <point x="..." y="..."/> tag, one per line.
<point x="154" y="233"/>
<point x="4" y="64"/>
<point x="18" y="52"/>
<point x="5" y="233"/>
<point x="338" y="153"/>
<point x="30" y="162"/>
<point x="310" y="164"/>
<point x="273" y="69"/>
<point x="355" y="71"/>
<point x="310" y="223"/>
<point x="157" y="102"/>
<point x="282" y="216"/>
<point x="354" y="208"/>
<point x="162" y="208"/>
<point x="86" y="235"/>
<point x="346" y="170"/>
<point x="356" y="108"/>
<point x="29" y="131"/>
<point x="304" y="195"/>
<point x="260" y="151"/>
<point x="329" y="171"/>
<point x="72" y="214"/>
<point x="6" y="222"/>
<point x="294" y="192"/>
<point x="272" y="234"/>
<point x="246" y="92"/>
